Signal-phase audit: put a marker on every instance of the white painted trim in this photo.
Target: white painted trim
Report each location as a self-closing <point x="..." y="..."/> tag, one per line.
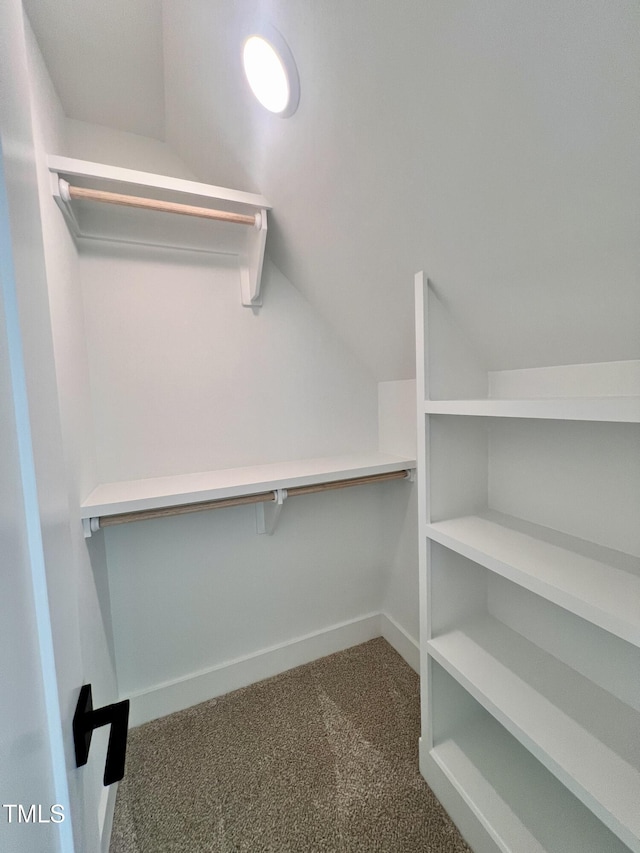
<point x="181" y="693"/>
<point x="106" y="810"/>
<point x="401" y="641"/>
<point x="200" y="686"/>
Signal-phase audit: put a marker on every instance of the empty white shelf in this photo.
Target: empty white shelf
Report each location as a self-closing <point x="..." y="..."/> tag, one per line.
<point x="585" y="736"/>
<point x="607" y="409"/>
<point x="587" y="380"/>
<point x="508" y="791"/>
<point x="598" y="584"/>
<point x="579" y="600"/>
<point x="181" y="489"/>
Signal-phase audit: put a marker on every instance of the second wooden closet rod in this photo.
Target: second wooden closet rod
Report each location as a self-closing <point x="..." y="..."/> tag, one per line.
<point x="68" y="192"/>
<point x="262" y="497"/>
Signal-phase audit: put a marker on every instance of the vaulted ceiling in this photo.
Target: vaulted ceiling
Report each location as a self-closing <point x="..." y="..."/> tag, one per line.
<point x="105" y="59"/>
<point x="492" y="143"/>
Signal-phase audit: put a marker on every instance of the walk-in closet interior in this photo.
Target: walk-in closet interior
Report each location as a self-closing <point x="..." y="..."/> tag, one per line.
<point x="364" y="365"/>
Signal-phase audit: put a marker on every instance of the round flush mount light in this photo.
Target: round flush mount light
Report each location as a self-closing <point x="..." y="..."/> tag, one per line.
<point x="271" y="71"/>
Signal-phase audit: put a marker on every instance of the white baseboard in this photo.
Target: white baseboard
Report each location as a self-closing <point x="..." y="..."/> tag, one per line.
<point x="400" y="640"/>
<point x="200" y="686"/>
<point x="197" y="687"/>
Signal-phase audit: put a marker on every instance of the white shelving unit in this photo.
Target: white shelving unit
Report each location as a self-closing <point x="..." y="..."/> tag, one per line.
<point x="96" y="220"/>
<point x="529" y="496"/>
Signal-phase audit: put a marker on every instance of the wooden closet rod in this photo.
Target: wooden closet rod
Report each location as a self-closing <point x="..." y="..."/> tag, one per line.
<point x="68" y="192"/>
<point x="144" y="514"/>
<point x="262" y="497"/>
<point x="344" y="484"/>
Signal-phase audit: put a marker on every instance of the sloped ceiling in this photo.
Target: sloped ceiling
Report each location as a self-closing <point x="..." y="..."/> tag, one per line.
<point x="105" y="59"/>
<point x="491" y="143"/>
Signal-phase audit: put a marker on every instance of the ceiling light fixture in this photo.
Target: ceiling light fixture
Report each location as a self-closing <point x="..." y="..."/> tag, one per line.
<point x="271" y="72"/>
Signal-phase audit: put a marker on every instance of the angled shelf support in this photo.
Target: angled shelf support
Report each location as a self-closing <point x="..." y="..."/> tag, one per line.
<point x="251" y="262"/>
<point x="90" y="526"/>
<point x="268" y="514"/>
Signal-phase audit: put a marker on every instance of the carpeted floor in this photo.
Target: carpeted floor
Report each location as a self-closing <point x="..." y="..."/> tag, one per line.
<point x="320" y="759"/>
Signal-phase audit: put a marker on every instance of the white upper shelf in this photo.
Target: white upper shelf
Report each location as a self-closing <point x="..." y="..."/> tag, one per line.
<point x="181" y="489"/>
<point x="599" y="391"/>
<point x="94" y="220"/>
<point x="605" y="409"/>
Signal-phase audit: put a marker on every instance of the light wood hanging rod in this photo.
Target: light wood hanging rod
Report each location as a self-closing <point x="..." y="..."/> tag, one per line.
<point x="144" y="514"/>
<point x="345" y="484"/>
<point x="69" y="192"/>
<point x="262" y="497"/>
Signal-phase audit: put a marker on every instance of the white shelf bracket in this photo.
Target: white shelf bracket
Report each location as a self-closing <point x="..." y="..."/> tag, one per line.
<point x="90" y="526"/>
<point x="252" y="261"/>
<point x="60" y="192"/>
<point x="268" y="513"/>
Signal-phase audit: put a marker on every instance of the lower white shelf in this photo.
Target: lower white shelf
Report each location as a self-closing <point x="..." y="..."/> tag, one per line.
<point x="598" y="584"/>
<point x="585" y="736"/>
<point x="181" y="489"/>
<point x="508" y="791"/>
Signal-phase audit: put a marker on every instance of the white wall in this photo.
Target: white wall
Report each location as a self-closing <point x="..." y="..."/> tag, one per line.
<point x="185" y="378"/>
<point x="491" y="143"/>
<point x="169" y="373"/>
<point x="164" y="371"/>
<point x="581" y="478"/>
<point x="401" y="601"/>
<point x="50" y="618"/>
<point x="79" y="591"/>
<point x="26" y="770"/>
<point x="100" y="144"/>
<point x="112" y="50"/>
<point x="195" y="592"/>
<point x="397" y="421"/>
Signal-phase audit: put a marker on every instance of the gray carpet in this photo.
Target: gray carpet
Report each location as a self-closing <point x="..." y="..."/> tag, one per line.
<point x="320" y="759"/>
